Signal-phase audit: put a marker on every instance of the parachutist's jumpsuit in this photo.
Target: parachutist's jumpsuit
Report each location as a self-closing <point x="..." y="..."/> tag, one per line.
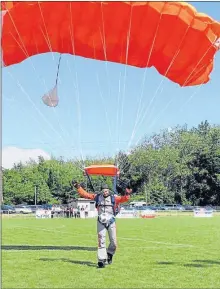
<point x="105" y="206"/>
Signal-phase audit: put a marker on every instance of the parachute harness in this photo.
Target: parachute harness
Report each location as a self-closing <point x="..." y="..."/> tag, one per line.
<point x="104" y="170"/>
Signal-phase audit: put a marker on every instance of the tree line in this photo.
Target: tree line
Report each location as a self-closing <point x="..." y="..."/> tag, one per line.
<point x="178" y="165"/>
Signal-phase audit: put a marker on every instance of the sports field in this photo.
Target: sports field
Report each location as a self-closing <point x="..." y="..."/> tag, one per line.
<point x="165" y="252"/>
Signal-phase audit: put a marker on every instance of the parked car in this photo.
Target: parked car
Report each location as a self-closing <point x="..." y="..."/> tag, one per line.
<point x="209" y="208"/>
<point x="23" y="209"/>
<point x="7" y="209"/>
<point x="188" y="208"/>
<point x="34" y="208"/>
<point x="174" y="207"/>
<point x="146" y="208"/>
<point x="160" y="208"/>
<point x="157" y="207"/>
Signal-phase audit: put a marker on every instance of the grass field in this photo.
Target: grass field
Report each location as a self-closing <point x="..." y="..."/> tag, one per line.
<point x="165" y="252"/>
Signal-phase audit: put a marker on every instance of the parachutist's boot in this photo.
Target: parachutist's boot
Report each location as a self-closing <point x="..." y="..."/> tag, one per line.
<point x="110" y="256"/>
<point x="101" y="264"/>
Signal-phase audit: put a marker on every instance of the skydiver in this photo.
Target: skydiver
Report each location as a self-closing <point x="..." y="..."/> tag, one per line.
<point x="106" y="204"/>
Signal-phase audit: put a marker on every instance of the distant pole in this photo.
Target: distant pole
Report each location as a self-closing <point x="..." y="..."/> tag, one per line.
<point x="35" y="195"/>
<point x="145" y="190"/>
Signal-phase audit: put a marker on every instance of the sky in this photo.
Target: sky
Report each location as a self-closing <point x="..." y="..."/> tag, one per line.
<point x="98" y="104"/>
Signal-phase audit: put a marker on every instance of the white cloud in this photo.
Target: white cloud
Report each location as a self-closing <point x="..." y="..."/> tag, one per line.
<point x="11" y="155"/>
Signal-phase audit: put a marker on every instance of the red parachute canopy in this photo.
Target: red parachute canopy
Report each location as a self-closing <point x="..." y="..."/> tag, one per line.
<point x="171" y="36"/>
<point x="104" y="170"/>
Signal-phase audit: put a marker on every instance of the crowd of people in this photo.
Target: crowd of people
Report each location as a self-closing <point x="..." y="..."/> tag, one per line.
<point x="71" y="212"/>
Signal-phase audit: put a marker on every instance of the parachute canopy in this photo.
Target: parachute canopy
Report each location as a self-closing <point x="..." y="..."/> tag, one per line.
<point x="171" y="36"/>
<point x="104" y="170"/>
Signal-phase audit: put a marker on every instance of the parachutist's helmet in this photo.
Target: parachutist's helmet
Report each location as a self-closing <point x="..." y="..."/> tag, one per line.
<point x="104" y="187"/>
<point x="105" y="190"/>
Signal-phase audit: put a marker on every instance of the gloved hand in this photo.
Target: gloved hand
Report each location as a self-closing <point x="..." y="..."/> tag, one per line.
<point x="128" y="186"/>
<point x="75" y="184"/>
<point x="128" y="190"/>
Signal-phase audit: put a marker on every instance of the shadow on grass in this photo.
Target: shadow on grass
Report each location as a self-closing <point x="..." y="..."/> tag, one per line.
<point x="33" y="248"/>
<point x="209" y="262"/>
<point x="165" y="263"/>
<point x="85" y="263"/>
<point x="195" y="264"/>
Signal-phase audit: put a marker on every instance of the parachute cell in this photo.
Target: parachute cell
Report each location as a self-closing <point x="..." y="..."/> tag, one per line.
<point x="171" y="36"/>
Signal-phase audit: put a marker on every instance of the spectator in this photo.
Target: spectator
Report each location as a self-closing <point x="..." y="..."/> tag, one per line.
<point x="86" y="211"/>
<point x="75" y="212"/>
<point x="71" y="212"/>
<point x="68" y="212"/>
<point x="78" y="212"/>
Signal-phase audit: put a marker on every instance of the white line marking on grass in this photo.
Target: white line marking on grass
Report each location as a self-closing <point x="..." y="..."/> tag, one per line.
<point x="54" y="231"/>
<point x="178" y="245"/>
<point x="156" y="242"/>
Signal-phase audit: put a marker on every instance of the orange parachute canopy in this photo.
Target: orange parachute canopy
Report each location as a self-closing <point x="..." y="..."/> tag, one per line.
<point x="105" y="170"/>
<point x="171" y="36"/>
<point x="6" y="5"/>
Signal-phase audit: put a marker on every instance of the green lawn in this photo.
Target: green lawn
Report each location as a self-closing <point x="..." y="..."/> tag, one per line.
<point x="166" y="252"/>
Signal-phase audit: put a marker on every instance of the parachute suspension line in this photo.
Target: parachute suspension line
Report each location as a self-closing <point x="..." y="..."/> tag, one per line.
<point x="106" y="113"/>
<point x="100" y="91"/>
<point x="47" y="38"/>
<point x="79" y="119"/>
<point x="170" y="65"/>
<point x="124" y="89"/>
<point x="76" y="78"/>
<point x="143" y="82"/>
<point x="23" y="48"/>
<point x="191" y="97"/>
<point x="79" y="165"/>
<point x="58" y="69"/>
<point x="21" y="86"/>
<point x="117" y="120"/>
<point x="13" y="100"/>
<point x="188" y="100"/>
<point x="197" y="89"/>
<point x="29" y="98"/>
<point x="185" y="83"/>
<point x="27" y="55"/>
<point x="90" y="181"/>
<point x="77" y="86"/>
<point x="157" y="117"/>
<point x="123" y="165"/>
<point x="117" y="123"/>
<point x="106" y="67"/>
<point x="52" y="93"/>
<point x="35" y="107"/>
<point x="125" y="70"/>
<point x="37" y="121"/>
<point x="51" y="98"/>
<point x="145" y="109"/>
